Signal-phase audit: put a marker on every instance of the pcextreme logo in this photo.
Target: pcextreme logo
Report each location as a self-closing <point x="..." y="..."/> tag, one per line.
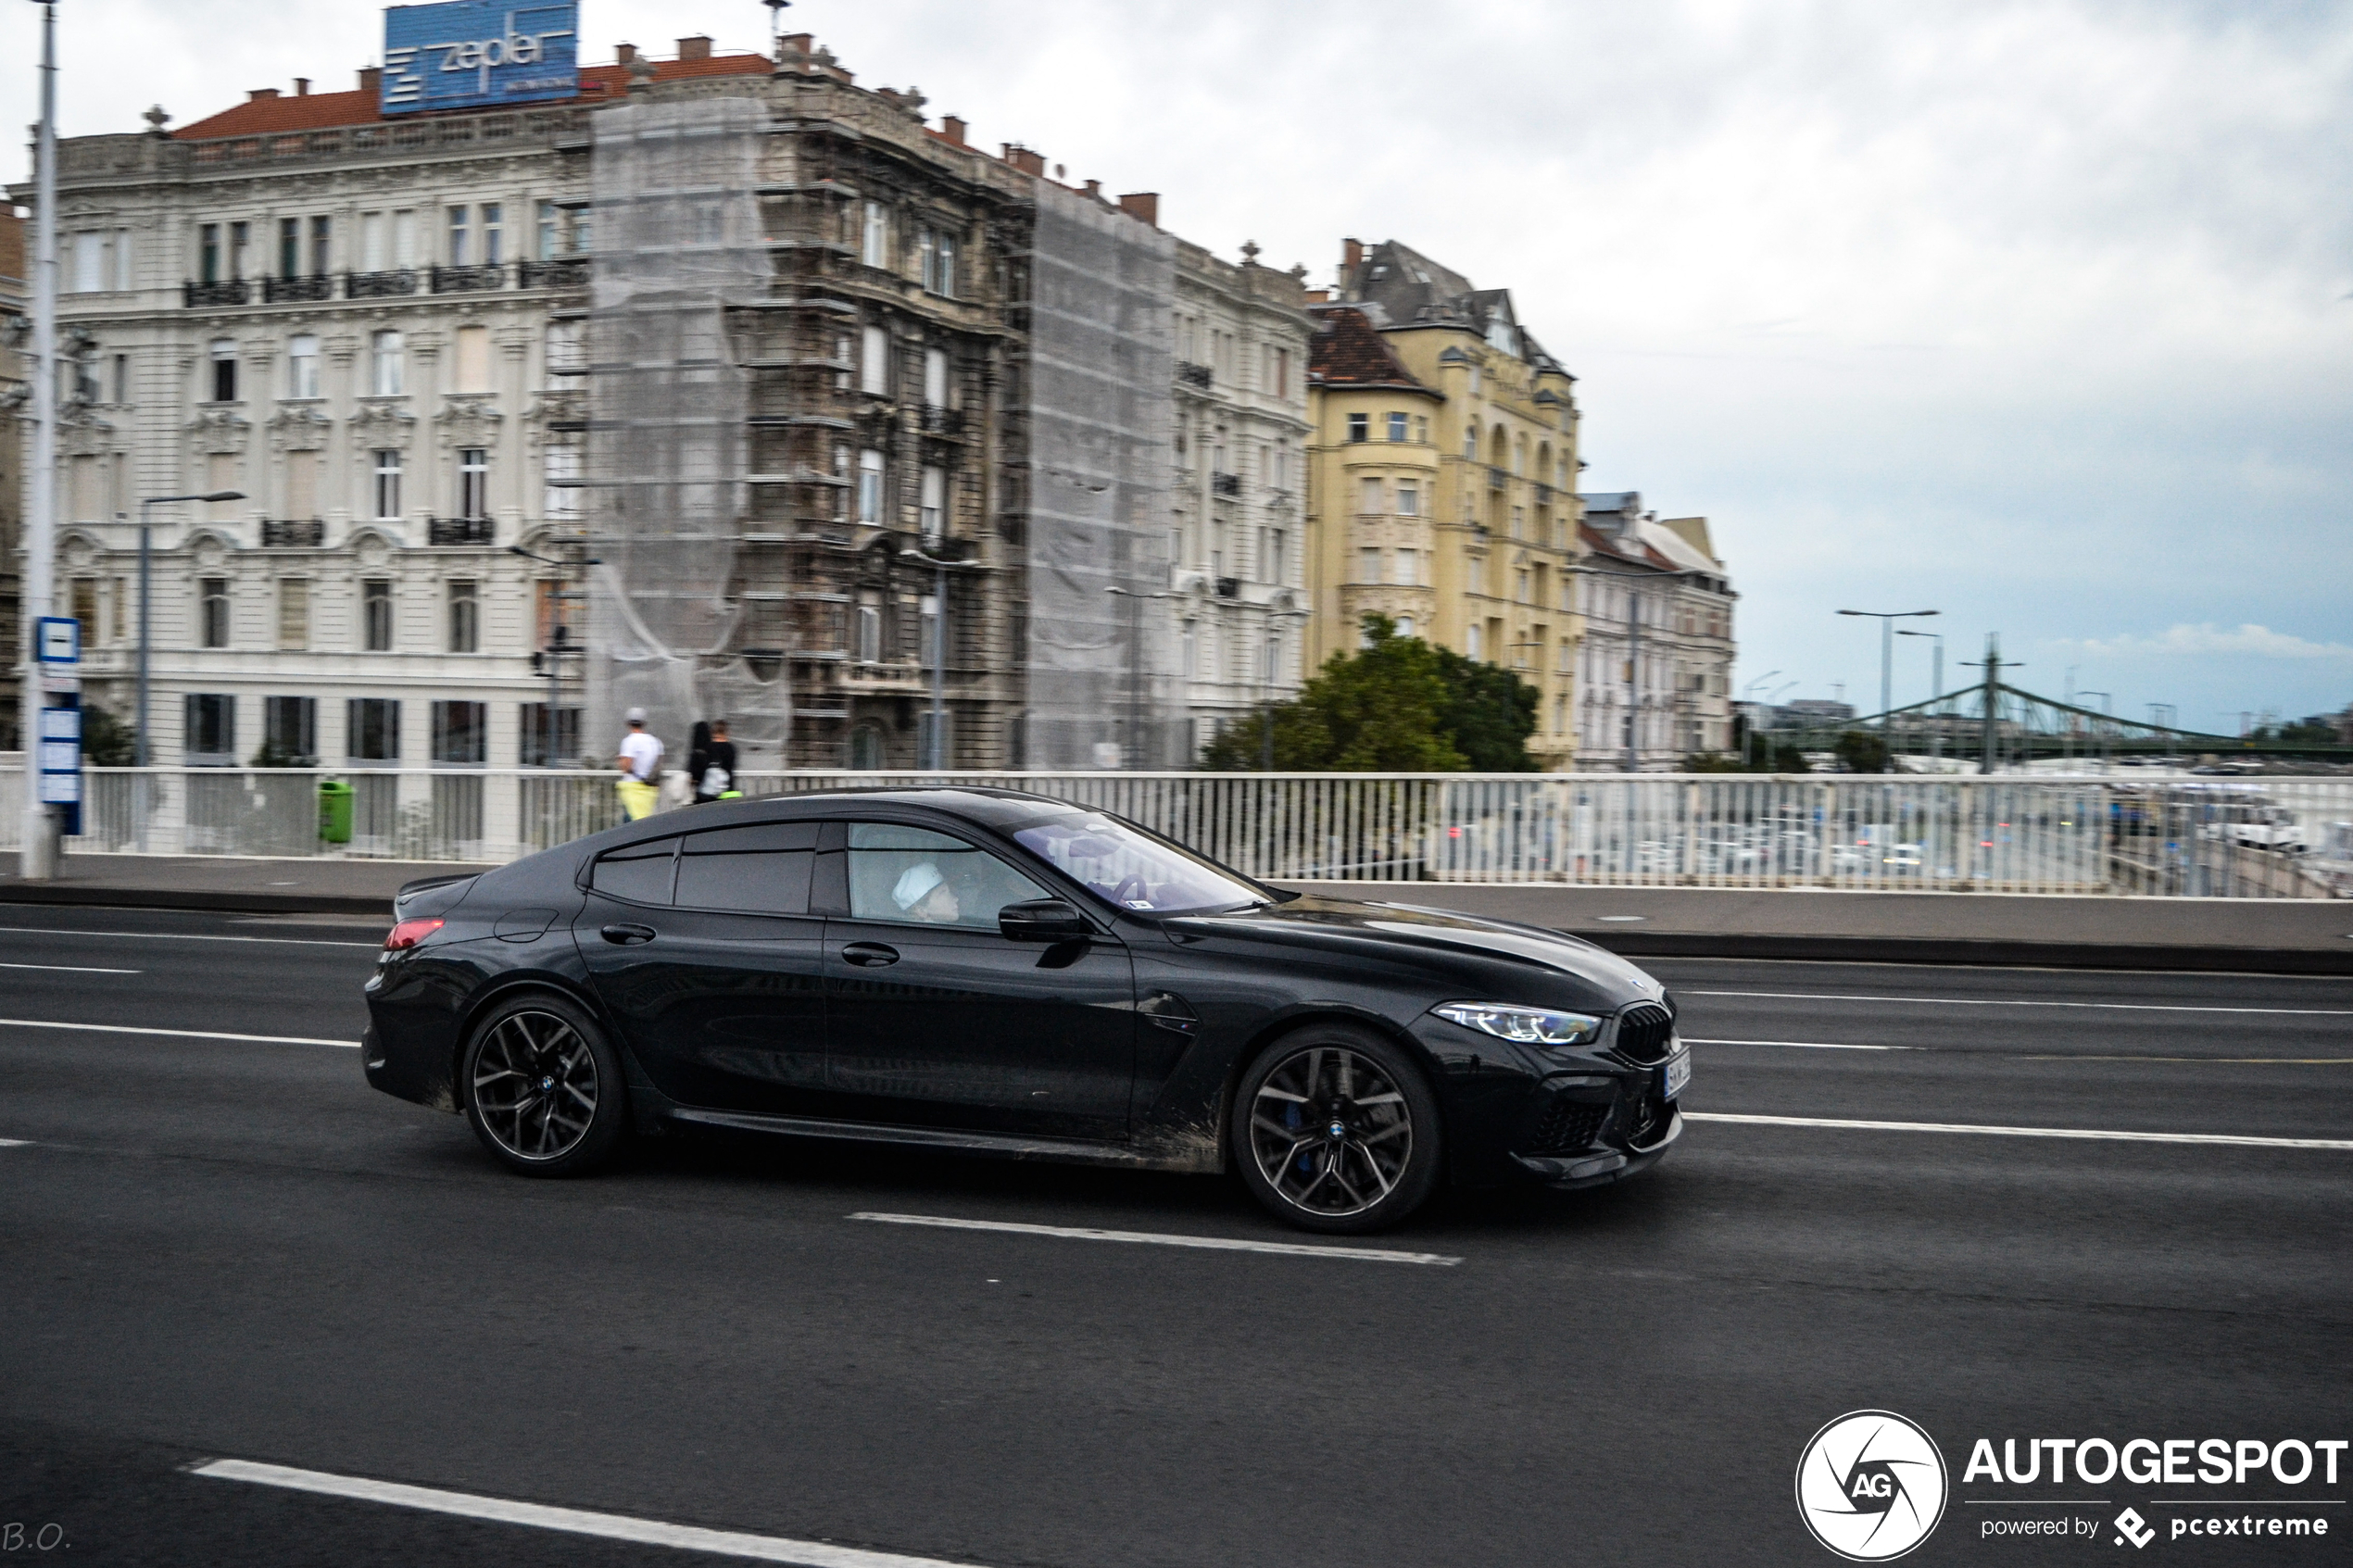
<point x="1872" y="1485"/>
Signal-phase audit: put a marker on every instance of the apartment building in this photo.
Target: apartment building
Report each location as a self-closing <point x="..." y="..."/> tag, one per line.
<point x="1657" y="604"/>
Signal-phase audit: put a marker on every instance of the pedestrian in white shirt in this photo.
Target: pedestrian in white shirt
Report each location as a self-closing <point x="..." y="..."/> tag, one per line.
<point x="640" y="757"/>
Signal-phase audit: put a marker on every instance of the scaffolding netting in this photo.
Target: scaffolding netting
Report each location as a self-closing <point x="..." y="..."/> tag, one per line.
<point x="679" y="240"/>
<point x="1100" y="688"/>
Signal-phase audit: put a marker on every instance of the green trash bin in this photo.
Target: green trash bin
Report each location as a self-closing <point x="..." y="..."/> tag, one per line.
<point x="335" y="811"/>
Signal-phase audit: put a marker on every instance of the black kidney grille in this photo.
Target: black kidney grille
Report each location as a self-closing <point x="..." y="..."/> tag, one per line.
<point x="1567" y="1126"/>
<point x="1645" y="1033"/>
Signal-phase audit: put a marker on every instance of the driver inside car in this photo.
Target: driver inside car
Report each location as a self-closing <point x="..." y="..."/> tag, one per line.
<point x="923" y="893"/>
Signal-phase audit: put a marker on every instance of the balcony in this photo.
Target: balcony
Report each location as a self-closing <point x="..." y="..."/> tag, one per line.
<point x="469" y="279"/>
<point x="943" y="421"/>
<point x="228" y="290"/>
<point x="1188" y="374"/>
<point x="1229" y="587"/>
<point x="1225" y="485"/>
<point x="458" y="530"/>
<point x="557" y="272"/>
<point x="278" y="291"/>
<point x="1497" y="478"/>
<point x="379" y="286"/>
<point x="292" y="534"/>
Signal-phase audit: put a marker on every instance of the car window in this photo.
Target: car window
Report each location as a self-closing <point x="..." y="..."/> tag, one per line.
<point x="1131" y="870"/>
<point x="639" y="872"/>
<point x="915" y="875"/>
<point x="764" y="868"/>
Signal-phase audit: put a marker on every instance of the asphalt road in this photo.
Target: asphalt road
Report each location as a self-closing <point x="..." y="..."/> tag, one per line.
<point x="225" y="1249"/>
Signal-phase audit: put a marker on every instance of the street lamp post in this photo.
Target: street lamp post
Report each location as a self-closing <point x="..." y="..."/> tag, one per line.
<point x="1936" y="688"/>
<point x="37" y="860"/>
<point x="1887" y="620"/>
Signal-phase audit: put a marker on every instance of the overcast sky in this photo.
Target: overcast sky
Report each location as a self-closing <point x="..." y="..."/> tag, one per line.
<point x="2039" y="314"/>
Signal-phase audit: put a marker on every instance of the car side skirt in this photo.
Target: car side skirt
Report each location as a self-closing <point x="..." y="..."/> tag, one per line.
<point x="1068" y="1152"/>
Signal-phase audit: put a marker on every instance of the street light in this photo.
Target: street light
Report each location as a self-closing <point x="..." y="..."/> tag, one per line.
<point x="936" y="750"/>
<point x="1935" y="688"/>
<point x="1887" y="620"/>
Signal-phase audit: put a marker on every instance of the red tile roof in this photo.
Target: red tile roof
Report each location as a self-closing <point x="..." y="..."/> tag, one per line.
<point x="321" y="112"/>
<point x="1347" y="351"/>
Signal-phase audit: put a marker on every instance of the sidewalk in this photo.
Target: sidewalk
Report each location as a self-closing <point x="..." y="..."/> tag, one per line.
<point x="2286" y="936"/>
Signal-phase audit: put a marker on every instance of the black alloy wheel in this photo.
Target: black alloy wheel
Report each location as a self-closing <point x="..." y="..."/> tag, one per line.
<point x="1336" y="1130"/>
<point x="543" y="1089"/>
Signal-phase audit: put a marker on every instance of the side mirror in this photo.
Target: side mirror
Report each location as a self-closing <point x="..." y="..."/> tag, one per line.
<point x="1042" y="919"/>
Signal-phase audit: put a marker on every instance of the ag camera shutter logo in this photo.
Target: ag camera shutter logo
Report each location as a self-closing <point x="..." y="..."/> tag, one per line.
<point x="1872" y="1485"/>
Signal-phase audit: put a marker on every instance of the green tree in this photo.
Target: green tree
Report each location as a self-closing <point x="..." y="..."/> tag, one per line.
<point x="106" y="741"/>
<point x="1377" y="710"/>
<point x="1489" y="714"/>
<point x="1863" y="751"/>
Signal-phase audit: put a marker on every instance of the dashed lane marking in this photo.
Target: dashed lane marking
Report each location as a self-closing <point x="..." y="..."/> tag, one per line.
<point x="1800" y="1044"/>
<point x="175" y="1034"/>
<point x="573" y="1521"/>
<point x="70" y="969"/>
<point x="2008" y="1002"/>
<point x="1214" y="1242"/>
<point x="2102" y="1135"/>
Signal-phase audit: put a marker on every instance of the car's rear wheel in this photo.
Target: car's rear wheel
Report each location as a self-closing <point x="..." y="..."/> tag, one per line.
<point x="1336" y="1130"/>
<point x="543" y="1087"/>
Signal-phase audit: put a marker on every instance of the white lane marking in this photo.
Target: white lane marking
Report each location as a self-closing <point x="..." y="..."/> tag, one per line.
<point x="2004" y="1002"/>
<point x="175" y="1034"/>
<point x="1214" y="1243"/>
<point x="70" y="969"/>
<point x="2098" y="1134"/>
<point x="13" y="1143"/>
<point x="576" y="1521"/>
<point x="1800" y="1044"/>
<point x="187" y="937"/>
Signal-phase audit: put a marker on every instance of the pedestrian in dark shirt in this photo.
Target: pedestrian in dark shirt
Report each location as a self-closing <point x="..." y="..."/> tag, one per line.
<point x="712" y="764"/>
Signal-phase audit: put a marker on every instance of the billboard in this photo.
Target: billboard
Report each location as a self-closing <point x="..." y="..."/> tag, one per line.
<point x="478" y="54"/>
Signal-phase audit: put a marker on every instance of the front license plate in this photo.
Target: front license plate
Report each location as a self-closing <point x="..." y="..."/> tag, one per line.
<point x="1677" y="1072"/>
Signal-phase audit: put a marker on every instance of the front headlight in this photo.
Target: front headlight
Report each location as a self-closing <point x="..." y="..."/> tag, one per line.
<point x="1536" y="1026"/>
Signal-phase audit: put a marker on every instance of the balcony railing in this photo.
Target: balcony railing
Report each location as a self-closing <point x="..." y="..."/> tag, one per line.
<point x="1497" y="478"/>
<point x="557" y="273"/>
<point x="943" y="421"/>
<point x="277" y="290"/>
<point x="298" y="534"/>
<point x="469" y="279"/>
<point x="458" y="530"/>
<point x="1194" y="375"/>
<point x="226" y="290"/>
<point x="1225" y="485"/>
<point x="1229" y="587"/>
<point x="379" y="286"/>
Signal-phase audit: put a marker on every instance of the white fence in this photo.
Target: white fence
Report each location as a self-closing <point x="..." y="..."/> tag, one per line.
<point x="2265" y="838"/>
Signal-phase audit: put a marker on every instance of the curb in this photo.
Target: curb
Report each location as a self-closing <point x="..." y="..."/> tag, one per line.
<point x="1972" y="951"/>
<point x="69" y="896"/>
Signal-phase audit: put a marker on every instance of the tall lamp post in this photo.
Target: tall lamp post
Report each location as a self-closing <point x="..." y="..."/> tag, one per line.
<point x="936" y="754"/>
<point x="1887" y="620"/>
<point x="37" y="860"/>
<point x="1935" y="688"/>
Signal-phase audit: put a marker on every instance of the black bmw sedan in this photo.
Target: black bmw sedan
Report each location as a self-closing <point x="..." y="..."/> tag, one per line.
<point x="998" y="972"/>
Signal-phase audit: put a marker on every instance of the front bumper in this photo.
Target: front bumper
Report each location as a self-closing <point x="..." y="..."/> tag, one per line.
<point x="1599" y="1166"/>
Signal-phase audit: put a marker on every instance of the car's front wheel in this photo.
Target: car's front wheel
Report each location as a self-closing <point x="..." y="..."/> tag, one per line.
<point x="543" y="1087"/>
<point x="1336" y="1130"/>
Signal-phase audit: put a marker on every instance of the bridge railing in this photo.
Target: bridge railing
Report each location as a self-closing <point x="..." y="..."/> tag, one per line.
<point x="2265" y="838"/>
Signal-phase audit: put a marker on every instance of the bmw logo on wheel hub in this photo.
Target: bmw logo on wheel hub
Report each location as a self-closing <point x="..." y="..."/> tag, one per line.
<point x="1872" y="1485"/>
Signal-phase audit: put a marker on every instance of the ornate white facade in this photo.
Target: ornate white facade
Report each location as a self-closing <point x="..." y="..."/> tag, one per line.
<point x="1658" y="638"/>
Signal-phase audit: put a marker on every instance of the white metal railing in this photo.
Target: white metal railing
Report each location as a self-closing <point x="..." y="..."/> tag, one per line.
<point x="2265" y="838"/>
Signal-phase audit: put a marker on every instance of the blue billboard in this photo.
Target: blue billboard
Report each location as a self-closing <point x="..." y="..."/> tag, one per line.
<point x="478" y="54"/>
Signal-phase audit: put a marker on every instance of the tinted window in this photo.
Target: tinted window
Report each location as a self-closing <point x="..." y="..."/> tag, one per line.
<point x="761" y="870"/>
<point x="640" y="872"/>
<point x="914" y="875"/>
<point x="1130" y="868"/>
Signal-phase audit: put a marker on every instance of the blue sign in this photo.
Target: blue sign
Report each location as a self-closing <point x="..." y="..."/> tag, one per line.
<point x="478" y="54"/>
<point x="58" y="640"/>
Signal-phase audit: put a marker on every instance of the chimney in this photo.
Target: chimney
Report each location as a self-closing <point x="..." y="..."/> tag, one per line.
<point x="624" y="53"/>
<point x="695" y="48"/>
<point x="302" y="87"/>
<point x="1142" y="204"/>
<point x="258" y="93"/>
<point x="372" y="78"/>
<point x="801" y="43"/>
<point x="1352" y="254"/>
<point x="1095" y="189"/>
<point x="1028" y="162"/>
<point x="1319" y="296"/>
<point x="953" y="128"/>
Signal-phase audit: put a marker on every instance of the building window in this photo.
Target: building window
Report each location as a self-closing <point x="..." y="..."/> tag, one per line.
<point x="935" y="503"/>
<point x="240" y="250"/>
<point x="302" y="365"/>
<point x="212" y="612"/>
<point x="1191" y="652"/>
<point x="1520" y="588"/>
<point x="461" y="238"/>
<point x="209" y="739"/>
<point x="1409" y="568"/>
<point x="1404" y="625"/>
<point x="1368" y="566"/>
<point x="224" y="370"/>
<point x="322" y="232"/>
<point x="1397" y="426"/>
<point x="937" y="252"/>
<point x="473" y="482"/>
<point x="472" y="358"/>
<point x="1470" y="438"/>
<point x="207" y="253"/>
<point x="1471" y="640"/>
<point x="875" y="251"/>
<point x="873" y="362"/>
<point x="870" y="486"/>
<point x="290" y="729"/>
<point x="294" y="613"/>
<point x="869" y="634"/>
<point x="1368" y="497"/>
<point x="461" y="733"/>
<point x="1276" y="562"/>
<point x="85" y="609"/>
<point x="549" y="735"/>
<point x="1409" y="500"/>
<point x="375" y="614"/>
<point x="465" y="617"/>
<point x="372" y="729"/>
<point x="563" y="483"/>
<point x="493" y="234"/>
<point x="387" y="474"/>
<point x="1479" y="574"/>
<point x="290" y="247"/>
<point x="1360" y="427"/>
<point x="934" y="378"/>
<point x="387" y="364"/>
<point x="1282" y="372"/>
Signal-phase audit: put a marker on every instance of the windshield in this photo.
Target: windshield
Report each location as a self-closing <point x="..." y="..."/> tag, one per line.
<point x="1132" y="871"/>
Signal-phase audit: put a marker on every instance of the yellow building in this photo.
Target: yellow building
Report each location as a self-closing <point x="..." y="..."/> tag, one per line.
<point x="1441" y="479"/>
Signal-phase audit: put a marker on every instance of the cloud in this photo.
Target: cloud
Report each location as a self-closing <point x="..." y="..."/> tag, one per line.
<point x="2208" y="640"/>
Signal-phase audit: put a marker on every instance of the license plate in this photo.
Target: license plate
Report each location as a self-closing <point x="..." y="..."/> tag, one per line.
<point x="1677" y="1072"/>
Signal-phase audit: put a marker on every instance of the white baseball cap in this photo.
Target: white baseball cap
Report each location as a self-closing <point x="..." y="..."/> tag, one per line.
<point x="914" y="882"/>
<point x="635" y="716"/>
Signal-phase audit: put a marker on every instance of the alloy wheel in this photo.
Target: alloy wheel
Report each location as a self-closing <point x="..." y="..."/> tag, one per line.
<point x="534" y="1086"/>
<point x="1331" y="1133"/>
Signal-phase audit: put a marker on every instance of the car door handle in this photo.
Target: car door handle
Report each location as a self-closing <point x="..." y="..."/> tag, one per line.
<point x="869" y="955"/>
<point x="624" y="936"/>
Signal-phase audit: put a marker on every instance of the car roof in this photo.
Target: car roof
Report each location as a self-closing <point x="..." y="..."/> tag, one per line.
<point x="986" y="805"/>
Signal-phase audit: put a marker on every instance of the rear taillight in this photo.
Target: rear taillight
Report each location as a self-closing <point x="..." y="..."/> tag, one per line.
<point x="408" y="933"/>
